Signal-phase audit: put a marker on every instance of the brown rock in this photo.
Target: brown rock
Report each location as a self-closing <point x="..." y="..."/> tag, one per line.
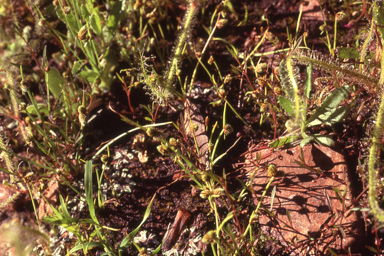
<point x="319" y="218"/>
<point x="52" y="196"/>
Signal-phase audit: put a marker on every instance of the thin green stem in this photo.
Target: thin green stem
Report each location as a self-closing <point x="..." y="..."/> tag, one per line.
<point x="319" y="62"/>
<point x="187" y="23"/>
<point x="367" y="41"/>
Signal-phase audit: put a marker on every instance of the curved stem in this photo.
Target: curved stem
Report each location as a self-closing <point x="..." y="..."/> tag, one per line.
<point x="373" y="157"/>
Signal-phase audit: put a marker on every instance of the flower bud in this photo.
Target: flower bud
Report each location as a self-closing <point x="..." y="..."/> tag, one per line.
<point x="227" y="79"/>
<point x="217" y="192"/>
<point x="272" y="170"/>
<point x="82" y="33"/>
<point x="221" y="23"/>
<point x="263" y="107"/>
<point x="205" y="194"/>
<point x="211" y="60"/>
<point x="340" y="16"/>
<point x="277" y="91"/>
<point x="162" y="149"/>
<point x="82" y="115"/>
<point x="260" y="67"/>
<point x="194" y="127"/>
<point x="104" y="159"/>
<point x="222" y="93"/>
<point x="228" y="129"/>
<point x="209" y="237"/>
<point x="173" y="142"/>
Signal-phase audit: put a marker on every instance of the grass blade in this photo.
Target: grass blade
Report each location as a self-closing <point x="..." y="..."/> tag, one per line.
<point x="89" y="190"/>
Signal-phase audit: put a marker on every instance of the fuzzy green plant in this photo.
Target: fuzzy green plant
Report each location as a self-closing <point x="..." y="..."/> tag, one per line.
<point x="327" y="63"/>
<point x="288" y="74"/>
<point x="12" y="85"/>
<point x="329" y="112"/>
<point x="162" y="89"/>
<point x="297" y="95"/>
<point x="184" y="34"/>
<point x="4" y="155"/>
<point x="9" y="200"/>
<point x="374" y="156"/>
<point x="377" y="138"/>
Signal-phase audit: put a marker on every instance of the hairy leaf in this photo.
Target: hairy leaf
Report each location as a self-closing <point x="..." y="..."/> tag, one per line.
<point x="324" y="140"/>
<point x="283" y="141"/>
<point x="334" y="115"/>
<point x="286" y="104"/>
<point x="331" y="102"/>
<point x="348" y="53"/>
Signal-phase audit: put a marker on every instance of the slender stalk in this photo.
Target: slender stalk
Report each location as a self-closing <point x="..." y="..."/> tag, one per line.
<point x="325" y="63"/>
<point x="187" y="25"/>
<point x="374" y="156"/>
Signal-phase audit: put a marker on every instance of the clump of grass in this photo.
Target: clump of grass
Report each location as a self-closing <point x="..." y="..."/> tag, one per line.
<point x="162" y="88"/>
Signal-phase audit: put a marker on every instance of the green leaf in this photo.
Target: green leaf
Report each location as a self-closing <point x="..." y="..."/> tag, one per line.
<point x="55" y="82"/>
<point x="332" y="101"/>
<point x="95" y="24"/>
<point x="333" y="116"/>
<point x="64" y="208"/>
<point x="380" y="22"/>
<point x="106" y="76"/>
<point x="84" y="12"/>
<point x="360" y="209"/>
<point x="283" y="141"/>
<point x="89" y="75"/>
<point x="42" y="108"/>
<point x="45" y="64"/>
<point x="157" y="250"/>
<point x="286" y="104"/>
<point x="5" y="170"/>
<point x="272" y="197"/>
<point x="228" y="218"/>
<point x="60" y="14"/>
<point x="245" y="20"/>
<point x="372" y="249"/>
<point x="115" y="16"/>
<point x="89" y="190"/>
<point x="70" y="224"/>
<point x="41" y="147"/>
<point x="308" y="81"/>
<point x="324" y="140"/>
<point x="235" y="69"/>
<point x="95" y="233"/>
<point x="72" y="221"/>
<point x="306" y="141"/>
<point x="77" y="65"/>
<point x="70" y="20"/>
<point x="88" y="245"/>
<point x="288" y="216"/>
<point x="348" y="53"/>
<point x="228" y="5"/>
<point x="337" y="192"/>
